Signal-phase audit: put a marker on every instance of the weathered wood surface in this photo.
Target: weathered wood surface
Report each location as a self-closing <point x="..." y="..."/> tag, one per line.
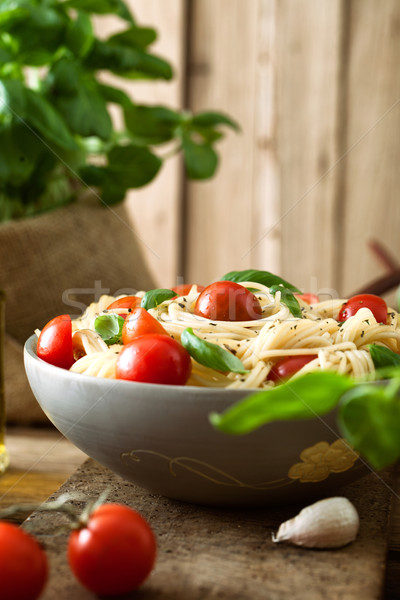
<point x="228" y="554"/>
<point x="313" y="176"/>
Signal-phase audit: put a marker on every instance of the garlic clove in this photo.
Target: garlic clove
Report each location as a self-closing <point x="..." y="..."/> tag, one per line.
<point x="329" y="523"/>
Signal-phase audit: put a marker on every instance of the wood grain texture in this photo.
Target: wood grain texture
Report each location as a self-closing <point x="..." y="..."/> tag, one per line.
<point x="308" y="80"/>
<point x="372" y="183"/>
<point x="231" y="69"/>
<point x="155" y="209"/>
<point x="228" y="554"/>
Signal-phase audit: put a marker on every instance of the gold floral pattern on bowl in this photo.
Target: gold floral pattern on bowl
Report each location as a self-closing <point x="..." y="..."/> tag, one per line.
<point x="321" y="459"/>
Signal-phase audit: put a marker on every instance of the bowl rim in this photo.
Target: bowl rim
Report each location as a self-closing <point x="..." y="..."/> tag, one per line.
<point x="30" y="352"/>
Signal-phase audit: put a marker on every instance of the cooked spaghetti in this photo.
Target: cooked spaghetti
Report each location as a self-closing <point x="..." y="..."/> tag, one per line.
<point x="259" y="344"/>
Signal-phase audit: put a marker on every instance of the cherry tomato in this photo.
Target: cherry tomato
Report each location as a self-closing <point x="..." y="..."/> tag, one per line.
<point x="184" y="288"/>
<point x="23" y="564"/>
<point x="140" y="322"/>
<point x="227" y="301"/>
<point x="376" y="305"/>
<point x="286" y="367"/>
<point x="125" y="302"/>
<point x="154" y="358"/>
<point x="55" y="342"/>
<point x="309" y="298"/>
<point x="115" y="552"/>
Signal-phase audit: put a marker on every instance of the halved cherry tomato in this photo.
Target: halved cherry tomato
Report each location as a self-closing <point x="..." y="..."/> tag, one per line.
<point x="227" y="301"/>
<point x="184" y="288"/>
<point x="23" y="564"/>
<point x="376" y="305"/>
<point x="125" y="302"/>
<point x="114" y="553"/>
<point x="154" y="358"/>
<point x="309" y="298"/>
<point x="140" y="322"/>
<point x="286" y="367"/>
<point x="55" y="342"/>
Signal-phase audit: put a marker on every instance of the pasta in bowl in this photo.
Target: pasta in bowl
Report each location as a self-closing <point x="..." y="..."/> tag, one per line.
<point x="139" y="405"/>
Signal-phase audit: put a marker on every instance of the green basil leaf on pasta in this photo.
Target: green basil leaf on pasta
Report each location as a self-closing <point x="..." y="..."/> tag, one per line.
<point x="288" y="299"/>
<point x="383" y="357"/>
<point x="369" y="419"/>
<point x="211" y="355"/>
<point x="305" y="397"/>
<point x="109" y="327"/>
<point x="264" y="277"/>
<point x="153" y="298"/>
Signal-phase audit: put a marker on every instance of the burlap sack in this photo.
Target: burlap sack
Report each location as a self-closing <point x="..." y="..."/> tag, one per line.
<point x="54" y="264"/>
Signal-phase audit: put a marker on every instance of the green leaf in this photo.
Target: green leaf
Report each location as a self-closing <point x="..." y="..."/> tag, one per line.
<point x="304" y="397"/>
<point x="47" y="121"/>
<point x="211" y="355"/>
<point x="12" y="99"/>
<point x="369" y="419"/>
<point x="20" y="150"/>
<point x="79" y="100"/>
<point x="39" y="35"/>
<point x="12" y="12"/>
<point x="79" y="34"/>
<point x="263" y="277"/>
<point x="151" y="124"/>
<point x="383" y="357"/>
<point x="200" y="160"/>
<point x="134" y="37"/>
<point x="132" y="166"/>
<point x="115" y="95"/>
<point x="127" y="62"/>
<point x="288" y="299"/>
<point x="109" y="327"/>
<point x="213" y="119"/>
<point x="102" y="7"/>
<point x="153" y="298"/>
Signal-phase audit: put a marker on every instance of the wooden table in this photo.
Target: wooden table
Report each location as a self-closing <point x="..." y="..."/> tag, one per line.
<point x="208" y="553"/>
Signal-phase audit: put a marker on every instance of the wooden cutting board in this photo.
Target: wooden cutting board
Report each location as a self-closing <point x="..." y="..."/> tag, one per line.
<point x="212" y="553"/>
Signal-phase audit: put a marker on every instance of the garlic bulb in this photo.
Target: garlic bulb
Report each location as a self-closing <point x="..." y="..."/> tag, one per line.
<point x="329" y="523"/>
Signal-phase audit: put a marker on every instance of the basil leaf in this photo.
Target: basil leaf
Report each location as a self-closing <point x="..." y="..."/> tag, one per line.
<point x="200" y="159"/>
<point x="288" y="299"/>
<point x="210" y="355"/>
<point x="383" y="357"/>
<point x="303" y="398"/>
<point x="153" y="298"/>
<point x="264" y="277"/>
<point x="109" y="327"/>
<point x="369" y="419"/>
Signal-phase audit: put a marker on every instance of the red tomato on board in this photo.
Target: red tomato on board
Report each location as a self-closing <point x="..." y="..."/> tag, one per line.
<point x="377" y="306"/>
<point x="286" y="367"/>
<point x="154" y="358"/>
<point x="23" y="564"/>
<point x="114" y="553"/>
<point x="140" y="322"/>
<point x="184" y="288"/>
<point x="55" y="342"/>
<point x="309" y="298"/>
<point x="227" y="301"/>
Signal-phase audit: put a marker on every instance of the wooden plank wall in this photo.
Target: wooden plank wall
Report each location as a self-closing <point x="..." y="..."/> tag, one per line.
<point x="314" y="175"/>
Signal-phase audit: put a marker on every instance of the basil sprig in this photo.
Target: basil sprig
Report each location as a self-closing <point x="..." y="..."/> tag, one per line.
<point x="153" y="298"/>
<point x="264" y="277"/>
<point x="303" y="398"/>
<point x="109" y="327"/>
<point x="383" y="357"/>
<point x="369" y="418"/>
<point x="288" y="299"/>
<point x="210" y="355"/>
<point x="368" y="414"/>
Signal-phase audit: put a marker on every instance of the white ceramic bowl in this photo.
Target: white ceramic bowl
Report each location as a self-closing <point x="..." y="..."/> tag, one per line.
<point x="160" y="438"/>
